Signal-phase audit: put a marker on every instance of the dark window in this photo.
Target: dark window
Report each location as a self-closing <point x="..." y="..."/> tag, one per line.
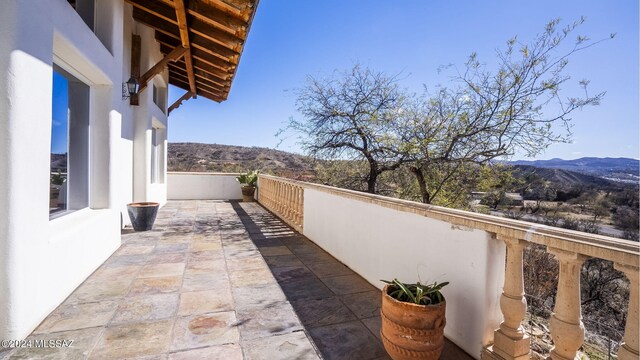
<point x="86" y="10"/>
<point x="68" y="189"/>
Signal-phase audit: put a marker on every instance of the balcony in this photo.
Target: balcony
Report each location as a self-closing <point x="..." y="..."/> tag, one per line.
<point x="216" y="280"/>
<point x="481" y="255"/>
<point x="222" y="279"/>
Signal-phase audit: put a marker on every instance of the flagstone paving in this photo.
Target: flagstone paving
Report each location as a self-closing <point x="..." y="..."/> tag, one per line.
<point x="217" y="280"/>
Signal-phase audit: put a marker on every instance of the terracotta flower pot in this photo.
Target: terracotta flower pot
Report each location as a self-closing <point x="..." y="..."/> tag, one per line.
<point x="142" y="215"/>
<point x="411" y="331"/>
<point x="247" y="193"/>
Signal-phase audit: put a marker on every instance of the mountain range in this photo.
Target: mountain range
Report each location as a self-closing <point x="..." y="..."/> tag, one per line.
<point x="589" y="171"/>
<point x="615" y="169"/>
<point x="231" y="158"/>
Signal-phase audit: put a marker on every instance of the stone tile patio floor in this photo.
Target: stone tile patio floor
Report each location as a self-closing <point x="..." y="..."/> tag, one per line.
<point x="217" y="280"/>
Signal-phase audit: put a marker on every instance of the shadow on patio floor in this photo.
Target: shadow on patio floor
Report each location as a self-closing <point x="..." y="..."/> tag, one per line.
<point x="339" y="309"/>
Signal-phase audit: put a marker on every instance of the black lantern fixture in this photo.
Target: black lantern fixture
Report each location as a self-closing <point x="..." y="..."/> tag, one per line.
<point x="130" y="88"/>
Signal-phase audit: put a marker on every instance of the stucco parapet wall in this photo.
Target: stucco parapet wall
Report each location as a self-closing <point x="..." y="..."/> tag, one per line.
<point x="624" y="252"/>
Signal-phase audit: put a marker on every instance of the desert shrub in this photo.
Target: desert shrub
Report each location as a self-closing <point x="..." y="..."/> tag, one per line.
<point x="511" y="214"/>
<point x="605" y="296"/>
<point x="57" y="179"/>
<point x="552" y="220"/>
<point x="540" y="278"/>
<point x="626" y="219"/>
<point x="570" y="223"/>
<point x="494" y="198"/>
<point x="481" y="209"/>
<point x="632" y="235"/>
<point x="589" y="226"/>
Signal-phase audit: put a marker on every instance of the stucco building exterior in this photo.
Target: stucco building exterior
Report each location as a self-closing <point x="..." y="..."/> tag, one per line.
<point x="76" y="148"/>
<point x="115" y="151"/>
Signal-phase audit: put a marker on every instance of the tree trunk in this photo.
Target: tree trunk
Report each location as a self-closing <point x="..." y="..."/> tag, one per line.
<point x="422" y="183"/>
<point x="371" y="181"/>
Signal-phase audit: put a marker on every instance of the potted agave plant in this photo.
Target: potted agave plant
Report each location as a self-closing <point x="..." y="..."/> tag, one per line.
<point x="413" y="320"/>
<point x="248" y="181"/>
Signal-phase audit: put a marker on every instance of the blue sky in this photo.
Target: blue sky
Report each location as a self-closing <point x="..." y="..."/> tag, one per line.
<point x="60" y="123"/>
<point x="292" y="39"/>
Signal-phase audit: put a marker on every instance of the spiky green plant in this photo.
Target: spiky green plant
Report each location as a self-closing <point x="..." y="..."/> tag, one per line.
<point x="416" y="293"/>
<point x="250" y="178"/>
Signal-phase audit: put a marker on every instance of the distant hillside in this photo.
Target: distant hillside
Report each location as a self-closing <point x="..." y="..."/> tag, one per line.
<point x="230" y="158"/>
<point x="566" y="179"/>
<point x="616" y="169"/>
<point x="59" y="163"/>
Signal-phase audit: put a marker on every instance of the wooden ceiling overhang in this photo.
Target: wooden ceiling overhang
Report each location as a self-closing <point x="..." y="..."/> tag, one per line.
<point x="208" y="34"/>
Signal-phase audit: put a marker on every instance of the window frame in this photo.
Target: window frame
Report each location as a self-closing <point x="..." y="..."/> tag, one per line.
<point x="78" y="142"/>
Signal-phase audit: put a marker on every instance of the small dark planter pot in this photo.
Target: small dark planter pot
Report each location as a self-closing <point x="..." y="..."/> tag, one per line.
<point x="247" y="193"/>
<point x="142" y="215"/>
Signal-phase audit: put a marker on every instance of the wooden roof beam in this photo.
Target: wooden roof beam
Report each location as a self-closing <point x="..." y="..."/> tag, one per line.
<point x="208" y="94"/>
<point x="174" y="55"/>
<point x="203" y="73"/>
<point x="201" y="85"/>
<point x="199" y="75"/>
<point x="198" y="27"/>
<point x="215" y="30"/>
<point x="219" y="74"/>
<point x="201" y="78"/>
<point x="203" y="44"/>
<point x="214" y="97"/>
<point x="230" y="10"/>
<point x="181" y="16"/>
<point x="203" y="57"/>
<point x="136" y="51"/>
<point x="216" y="35"/>
<point x="159" y="9"/>
<point x="188" y="95"/>
<point x="181" y="81"/>
<point x="214" y="15"/>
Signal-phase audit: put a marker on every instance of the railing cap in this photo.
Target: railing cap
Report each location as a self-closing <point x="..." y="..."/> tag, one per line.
<point x="620" y="251"/>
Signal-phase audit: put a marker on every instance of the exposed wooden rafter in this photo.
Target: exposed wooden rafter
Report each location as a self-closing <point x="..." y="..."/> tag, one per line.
<point x="203" y="56"/>
<point x="174" y="55"/>
<point x="213" y="34"/>
<point x="188" y="95"/>
<point x="201" y="43"/>
<point x="136" y="53"/>
<point x="201" y="77"/>
<point x="218" y="14"/>
<point x="181" y="16"/>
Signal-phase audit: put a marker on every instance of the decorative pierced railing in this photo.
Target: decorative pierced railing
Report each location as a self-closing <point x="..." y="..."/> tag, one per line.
<point x="571" y="248"/>
<point x="284" y="198"/>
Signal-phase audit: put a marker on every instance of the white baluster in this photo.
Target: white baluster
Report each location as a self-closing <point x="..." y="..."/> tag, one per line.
<point x="510" y="340"/>
<point x="567" y="329"/>
<point x="629" y="348"/>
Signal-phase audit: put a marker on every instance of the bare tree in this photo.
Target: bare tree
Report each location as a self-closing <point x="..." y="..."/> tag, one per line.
<point x="540" y="278"/>
<point x="352" y="116"/>
<point x="491" y="114"/>
<point x="627" y="219"/>
<point x="605" y="293"/>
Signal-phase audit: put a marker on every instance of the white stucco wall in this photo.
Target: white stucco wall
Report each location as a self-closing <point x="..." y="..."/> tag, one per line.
<point x="146" y="116"/>
<point x="203" y="186"/>
<point x="382" y="243"/>
<point x="43" y="260"/>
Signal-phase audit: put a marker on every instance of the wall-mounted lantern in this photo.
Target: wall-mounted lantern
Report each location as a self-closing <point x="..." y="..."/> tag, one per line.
<point x="130" y="88"/>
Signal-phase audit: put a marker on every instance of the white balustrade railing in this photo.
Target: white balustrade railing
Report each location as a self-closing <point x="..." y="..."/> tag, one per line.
<point x="571" y="248"/>
<point x="284" y="198"/>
